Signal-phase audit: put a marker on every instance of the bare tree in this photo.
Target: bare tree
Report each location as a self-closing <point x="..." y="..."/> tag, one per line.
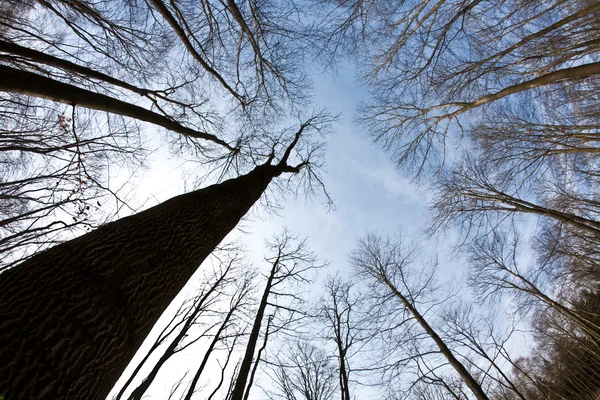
<point x="205" y="71"/>
<point x="479" y="336"/>
<point x="58" y="158"/>
<point x="401" y="288"/>
<point x="517" y="80"/>
<point x="476" y="196"/>
<point x="55" y="168"/>
<point x="247" y="51"/>
<point x="106" y="289"/>
<point x="496" y="269"/>
<point x="569" y="254"/>
<point x="552" y="141"/>
<point x="302" y="372"/>
<point x="290" y="263"/>
<point x="339" y="312"/>
<point x="228" y="328"/>
<point x="434" y="67"/>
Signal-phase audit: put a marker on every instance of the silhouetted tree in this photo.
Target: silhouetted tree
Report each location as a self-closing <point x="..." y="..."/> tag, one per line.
<point x="397" y="290"/>
<point x="338" y="311"/>
<point x="106" y="289"/>
<point x="302" y="372"/>
<point x="434" y="68"/>
<point x="290" y="263"/>
<point x="79" y="77"/>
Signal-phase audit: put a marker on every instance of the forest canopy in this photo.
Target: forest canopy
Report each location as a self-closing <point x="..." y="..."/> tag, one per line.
<point x="492" y="108"/>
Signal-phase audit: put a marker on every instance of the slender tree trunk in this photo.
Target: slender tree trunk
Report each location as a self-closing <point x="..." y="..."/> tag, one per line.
<point x="344" y="382"/>
<point x="208" y="353"/>
<point x="14" y="80"/>
<point x="258" y="358"/>
<point x="520" y="205"/>
<point x="342" y="347"/>
<point x="465" y="375"/>
<point x="242" y="378"/>
<point x="48" y="59"/>
<point x="534" y="36"/>
<point x="73" y="316"/>
<point x="579" y="72"/>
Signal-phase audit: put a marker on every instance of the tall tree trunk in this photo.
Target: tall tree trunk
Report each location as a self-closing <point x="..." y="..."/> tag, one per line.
<point x="343" y="373"/>
<point x="242" y="377"/>
<point x="216" y="339"/>
<point x="462" y="371"/>
<point x="18" y="81"/>
<point x="572" y="73"/>
<point x="258" y="358"/>
<point x="48" y="59"/>
<point x="72" y="317"/>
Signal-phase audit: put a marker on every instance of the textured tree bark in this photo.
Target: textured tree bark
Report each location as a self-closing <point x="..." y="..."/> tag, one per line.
<point x="72" y="317"/>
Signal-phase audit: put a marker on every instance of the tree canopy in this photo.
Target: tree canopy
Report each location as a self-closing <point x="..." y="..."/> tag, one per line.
<point x="493" y="107"/>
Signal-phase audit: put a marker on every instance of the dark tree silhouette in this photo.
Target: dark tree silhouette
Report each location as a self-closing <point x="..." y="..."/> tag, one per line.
<point x="200" y="70"/>
<point x="338" y="313"/>
<point x="302" y="372"/>
<point x="74" y="315"/>
<point x="387" y="264"/>
<point x="290" y="263"/>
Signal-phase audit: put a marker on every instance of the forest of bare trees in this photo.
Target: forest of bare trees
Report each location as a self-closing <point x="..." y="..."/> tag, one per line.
<point x="490" y="107"/>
